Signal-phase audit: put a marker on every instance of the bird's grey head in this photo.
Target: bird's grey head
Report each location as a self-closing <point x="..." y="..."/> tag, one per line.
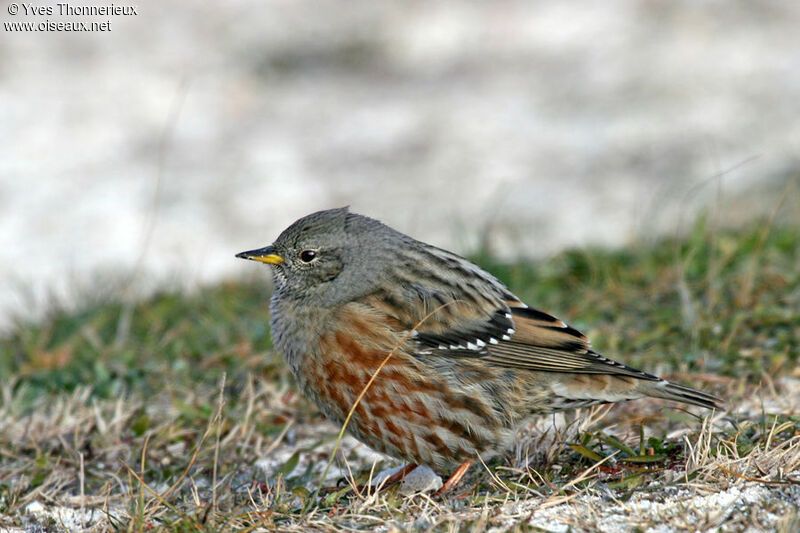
<point x="329" y="256"/>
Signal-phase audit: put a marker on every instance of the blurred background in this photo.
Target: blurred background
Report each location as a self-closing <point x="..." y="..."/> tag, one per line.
<point x="151" y="154"/>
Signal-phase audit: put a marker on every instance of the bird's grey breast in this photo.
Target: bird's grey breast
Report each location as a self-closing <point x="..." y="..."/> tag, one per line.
<point x="296" y="329"/>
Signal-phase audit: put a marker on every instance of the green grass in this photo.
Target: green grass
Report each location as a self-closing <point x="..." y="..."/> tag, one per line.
<point x="141" y="384"/>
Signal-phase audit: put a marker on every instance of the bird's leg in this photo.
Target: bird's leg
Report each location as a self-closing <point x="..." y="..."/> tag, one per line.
<point x="399" y="475"/>
<point x="456" y="477"/>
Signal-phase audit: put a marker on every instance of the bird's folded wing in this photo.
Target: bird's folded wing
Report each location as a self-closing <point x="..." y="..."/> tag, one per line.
<point x="516" y="336"/>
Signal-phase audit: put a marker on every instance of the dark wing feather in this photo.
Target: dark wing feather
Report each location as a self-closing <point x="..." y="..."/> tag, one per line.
<point x="455" y="316"/>
<point x="463" y="311"/>
<point x="525" y="338"/>
<point x="472" y="339"/>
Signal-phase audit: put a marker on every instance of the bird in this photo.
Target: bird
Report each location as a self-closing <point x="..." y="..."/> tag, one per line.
<point x="428" y="357"/>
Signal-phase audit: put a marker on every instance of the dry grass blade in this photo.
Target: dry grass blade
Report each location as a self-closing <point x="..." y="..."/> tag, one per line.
<point x="160" y="498"/>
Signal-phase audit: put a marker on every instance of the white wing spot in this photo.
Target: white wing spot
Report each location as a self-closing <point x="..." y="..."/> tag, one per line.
<point x="509" y="315"/>
<point x="511" y="331"/>
<point x="506" y="338"/>
<point x="492" y="340"/>
<point x="471" y="346"/>
<point x="480" y="343"/>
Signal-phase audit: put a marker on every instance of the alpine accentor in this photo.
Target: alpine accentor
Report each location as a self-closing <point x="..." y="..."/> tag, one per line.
<point x="461" y="362"/>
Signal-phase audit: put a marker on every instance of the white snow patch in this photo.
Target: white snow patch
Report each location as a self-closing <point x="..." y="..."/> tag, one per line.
<point x="677" y="510"/>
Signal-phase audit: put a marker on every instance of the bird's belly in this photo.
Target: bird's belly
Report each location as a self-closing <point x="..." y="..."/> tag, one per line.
<point x="437" y="412"/>
<point x="406" y="411"/>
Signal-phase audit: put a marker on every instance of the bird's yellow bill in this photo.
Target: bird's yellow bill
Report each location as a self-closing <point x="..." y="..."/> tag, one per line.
<point x="270" y="259"/>
<point x="262" y="255"/>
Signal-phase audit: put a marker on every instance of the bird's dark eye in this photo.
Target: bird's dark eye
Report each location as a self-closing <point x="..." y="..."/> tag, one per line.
<point x="306" y="256"/>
